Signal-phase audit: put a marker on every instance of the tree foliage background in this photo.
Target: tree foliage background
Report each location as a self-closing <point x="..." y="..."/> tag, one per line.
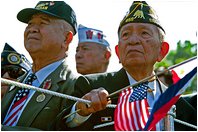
<point x="183" y="52"/>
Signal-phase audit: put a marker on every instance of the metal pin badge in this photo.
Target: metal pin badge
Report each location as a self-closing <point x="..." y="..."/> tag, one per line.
<point x="150" y="90"/>
<point x="47" y="84"/>
<point x="40" y="98"/>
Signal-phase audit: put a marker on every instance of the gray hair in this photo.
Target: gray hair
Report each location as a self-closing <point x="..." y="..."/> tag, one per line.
<point x="66" y="26"/>
<point x="161" y="34"/>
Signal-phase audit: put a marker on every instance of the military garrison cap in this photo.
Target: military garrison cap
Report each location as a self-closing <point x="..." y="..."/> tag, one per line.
<point x="86" y="34"/>
<point x="9" y="56"/>
<point x="140" y="12"/>
<point x="57" y="9"/>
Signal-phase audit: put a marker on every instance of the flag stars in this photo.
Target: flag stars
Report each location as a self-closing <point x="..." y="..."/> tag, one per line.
<point x="139" y="92"/>
<point x="23" y="92"/>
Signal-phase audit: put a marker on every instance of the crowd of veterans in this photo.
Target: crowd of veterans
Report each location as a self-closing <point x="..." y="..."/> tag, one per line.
<point x="51" y="26"/>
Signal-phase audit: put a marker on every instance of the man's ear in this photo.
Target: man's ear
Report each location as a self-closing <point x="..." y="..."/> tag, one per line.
<point x="107" y="55"/>
<point x="164" y="50"/>
<point x="117" y="51"/>
<point x="68" y="39"/>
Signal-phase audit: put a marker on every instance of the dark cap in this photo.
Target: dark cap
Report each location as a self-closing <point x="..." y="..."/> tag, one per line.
<point x="57" y="9"/>
<point x="140" y="12"/>
<point x="9" y="56"/>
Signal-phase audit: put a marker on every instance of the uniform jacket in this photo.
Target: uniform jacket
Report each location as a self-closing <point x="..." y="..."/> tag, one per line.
<point x="113" y="82"/>
<point x="40" y="114"/>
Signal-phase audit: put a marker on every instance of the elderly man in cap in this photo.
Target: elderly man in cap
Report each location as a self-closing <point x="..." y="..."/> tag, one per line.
<point x="14" y="66"/>
<point x="141" y="45"/>
<point x="51" y="26"/>
<point x="93" y="51"/>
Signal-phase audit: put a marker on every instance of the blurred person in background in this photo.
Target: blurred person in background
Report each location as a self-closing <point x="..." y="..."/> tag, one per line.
<point x="93" y="51"/>
<point x="14" y="66"/>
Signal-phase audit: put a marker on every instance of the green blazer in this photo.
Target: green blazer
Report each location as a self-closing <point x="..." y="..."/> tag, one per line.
<point x="40" y="114"/>
<point x="113" y="82"/>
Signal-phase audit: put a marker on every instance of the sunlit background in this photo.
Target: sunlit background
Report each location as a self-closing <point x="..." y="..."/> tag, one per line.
<point x="179" y="19"/>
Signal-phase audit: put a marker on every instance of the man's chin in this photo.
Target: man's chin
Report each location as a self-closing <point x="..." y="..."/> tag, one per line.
<point x="132" y="64"/>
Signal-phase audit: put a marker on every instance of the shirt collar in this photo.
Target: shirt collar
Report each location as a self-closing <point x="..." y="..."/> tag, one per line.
<point x="152" y="84"/>
<point x="47" y="70"/>
<point x="131" y="80"/>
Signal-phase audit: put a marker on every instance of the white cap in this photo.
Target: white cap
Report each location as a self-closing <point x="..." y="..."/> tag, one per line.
<point x="86" y="34"/>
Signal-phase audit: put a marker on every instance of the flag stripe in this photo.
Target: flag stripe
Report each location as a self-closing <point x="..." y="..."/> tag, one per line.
<point x="129" y="114"/>
<point x="137" y="115"/>
<point x="144" y="113"/>
<point x="140" y="113"/>
<point x="168" y="98"/>
<point x="127" y="111"/>
<point x="175" y="77"/>
<point x="120" y="126"/>
<point x="123" y="110"/>
<point x="162" y="111"/>
<point x="133" y="121"/>
<point x="13" y="112"/>
<point x="18" y="103"/>
<point x="14" y="115"/>
<point x="13" y="121"/>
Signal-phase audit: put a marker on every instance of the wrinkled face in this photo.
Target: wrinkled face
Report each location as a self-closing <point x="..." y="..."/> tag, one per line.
<point x="139" y="45"/>
<point x="89" y="58"/>
<point x="43" y="35"/>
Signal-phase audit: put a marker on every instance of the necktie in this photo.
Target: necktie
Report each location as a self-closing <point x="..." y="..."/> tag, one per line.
<point x="19" y="101"/>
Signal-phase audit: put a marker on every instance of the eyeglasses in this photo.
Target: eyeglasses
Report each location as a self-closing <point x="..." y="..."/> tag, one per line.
<point x="13" y="71"/>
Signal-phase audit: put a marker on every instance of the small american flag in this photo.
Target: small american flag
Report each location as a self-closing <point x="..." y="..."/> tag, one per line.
<point x="132" y="112"/>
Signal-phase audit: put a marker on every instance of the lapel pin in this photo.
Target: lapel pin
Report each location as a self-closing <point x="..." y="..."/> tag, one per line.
<point x="47" y="84"/>
<point x="150" y="90"/>
<point x="40" y="98"/>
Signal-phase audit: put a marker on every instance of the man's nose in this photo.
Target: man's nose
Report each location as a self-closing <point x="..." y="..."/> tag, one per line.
<point x="33" y="29"/>
<point x="78" y="54"/>
<point x="134" y="39"/>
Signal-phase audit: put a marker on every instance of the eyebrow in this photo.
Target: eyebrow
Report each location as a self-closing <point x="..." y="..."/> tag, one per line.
<point x="140" y="26"/>
<point x="84" y="46"/>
